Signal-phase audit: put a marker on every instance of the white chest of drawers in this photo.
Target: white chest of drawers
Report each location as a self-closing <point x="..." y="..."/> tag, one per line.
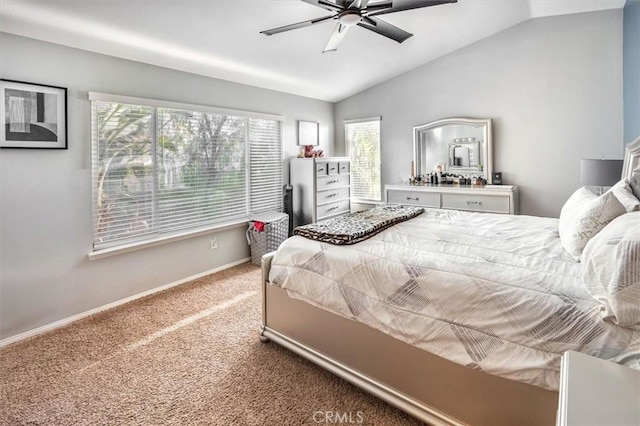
<point x="477" y="199"/>
<point x="321" y="188"/>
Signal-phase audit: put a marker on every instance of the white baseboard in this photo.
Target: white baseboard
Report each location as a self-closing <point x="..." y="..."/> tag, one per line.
<point x="69" y="320"/>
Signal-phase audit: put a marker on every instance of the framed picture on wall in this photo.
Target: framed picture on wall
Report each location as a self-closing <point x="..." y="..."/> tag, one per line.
<point x="33" y="115"/>
<point x="308" y="133"/>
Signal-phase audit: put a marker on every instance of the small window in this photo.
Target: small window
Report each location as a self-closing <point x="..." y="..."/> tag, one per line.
<point x="363" y="145"/>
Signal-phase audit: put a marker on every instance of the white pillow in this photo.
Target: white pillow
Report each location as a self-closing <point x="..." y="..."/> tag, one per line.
<point x="634" y="183"/>
<point x="611" y="270"/>
<point x="583" y="215"/>
<point x="624" y="194"/>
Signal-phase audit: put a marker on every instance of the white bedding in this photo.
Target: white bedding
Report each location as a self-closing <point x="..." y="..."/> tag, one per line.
<point x="493" y="292"/>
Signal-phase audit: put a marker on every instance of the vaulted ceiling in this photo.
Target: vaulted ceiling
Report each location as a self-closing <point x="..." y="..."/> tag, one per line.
<point x="222" y="39"/>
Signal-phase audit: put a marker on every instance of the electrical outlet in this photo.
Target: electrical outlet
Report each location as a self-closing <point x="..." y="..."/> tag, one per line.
<point x="214" y="243"/>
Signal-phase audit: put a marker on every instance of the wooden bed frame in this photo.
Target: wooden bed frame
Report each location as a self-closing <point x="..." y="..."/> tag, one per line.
<point x="428" y="387"/>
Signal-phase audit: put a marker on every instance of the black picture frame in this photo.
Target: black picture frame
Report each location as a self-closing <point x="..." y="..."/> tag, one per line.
<point x="308" y="133"/>
<point x="34" y="116"/>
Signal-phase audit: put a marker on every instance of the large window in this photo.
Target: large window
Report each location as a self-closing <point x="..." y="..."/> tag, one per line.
<point x="161" y="169"/>
<point x="363" y="144"/>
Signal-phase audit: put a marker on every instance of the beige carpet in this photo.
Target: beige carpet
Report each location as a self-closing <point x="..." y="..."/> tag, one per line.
<point x="187" y="356"/>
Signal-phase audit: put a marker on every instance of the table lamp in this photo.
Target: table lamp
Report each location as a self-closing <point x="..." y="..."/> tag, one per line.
<point x="600" y="173"/>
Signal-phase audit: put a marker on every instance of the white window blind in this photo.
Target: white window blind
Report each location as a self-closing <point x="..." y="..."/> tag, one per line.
<point x="363" y="144"/>
<point x="265" y="150"/>
<point x="200" y="168"/>
<point x="162" y="170"/>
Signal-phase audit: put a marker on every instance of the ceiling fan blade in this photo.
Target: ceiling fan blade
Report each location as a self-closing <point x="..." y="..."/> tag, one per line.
<point x="336" y="37"/>
<point x="400" y="5"/>
<point x="296" y="26"/>
<point x="356" y="4"/>
<point x="325" y="5"/>
<point x="369" y="21"/>
<point x="378" y="6"/>
<point x="386" y="29"/>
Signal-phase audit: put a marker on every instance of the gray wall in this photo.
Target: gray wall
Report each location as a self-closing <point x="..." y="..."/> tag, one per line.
<point x="45" y="195"/>
<point x="631" y="70"/>
<point x="553" y="87"/>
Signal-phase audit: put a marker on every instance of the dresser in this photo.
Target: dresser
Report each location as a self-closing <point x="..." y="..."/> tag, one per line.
<point x="503" y="200"/>
<point x="321" y="188"/>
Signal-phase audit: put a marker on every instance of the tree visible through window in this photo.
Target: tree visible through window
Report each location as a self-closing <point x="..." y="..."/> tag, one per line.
<point x="160" y="170"/>
<point x="363" y="144"/>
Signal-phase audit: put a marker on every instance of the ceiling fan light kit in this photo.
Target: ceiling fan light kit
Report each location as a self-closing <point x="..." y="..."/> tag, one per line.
<point x="349" y="17"/>
<point x="360" y="13"/>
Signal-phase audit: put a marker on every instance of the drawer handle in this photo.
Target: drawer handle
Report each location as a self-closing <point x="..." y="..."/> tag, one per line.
<point x="332" y="168"/>
<point x="332" y="181"/>
<point x="335" y="194"/>
<point x="474" y="203"/>
<point x="413" y="199"/>
<point x="333" y="208"/>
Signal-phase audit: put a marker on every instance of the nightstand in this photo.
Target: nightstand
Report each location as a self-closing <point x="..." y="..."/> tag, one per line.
<point x="597" y="392"/>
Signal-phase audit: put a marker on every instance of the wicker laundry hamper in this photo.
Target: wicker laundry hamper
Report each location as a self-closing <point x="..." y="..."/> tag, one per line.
<point x="266" y="232"/>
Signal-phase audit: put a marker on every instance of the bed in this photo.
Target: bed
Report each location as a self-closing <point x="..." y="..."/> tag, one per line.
<point x="460" y="317"/>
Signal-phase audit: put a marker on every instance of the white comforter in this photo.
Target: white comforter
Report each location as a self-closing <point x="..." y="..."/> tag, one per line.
<point x="492" y="292"/>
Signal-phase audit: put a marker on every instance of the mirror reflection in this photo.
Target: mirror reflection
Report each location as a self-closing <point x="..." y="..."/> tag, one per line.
<point x="464" y="153"/>
<point x="461" y="146"/>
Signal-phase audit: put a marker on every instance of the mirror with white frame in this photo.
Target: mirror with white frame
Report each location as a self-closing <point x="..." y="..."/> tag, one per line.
<point x="460" y="146"/>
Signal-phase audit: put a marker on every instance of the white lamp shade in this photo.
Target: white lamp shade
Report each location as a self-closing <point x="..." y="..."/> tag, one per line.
<point x="600" y="172"/>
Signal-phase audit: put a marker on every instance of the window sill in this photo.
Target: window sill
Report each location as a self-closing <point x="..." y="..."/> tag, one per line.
<point x="127" y="248"/>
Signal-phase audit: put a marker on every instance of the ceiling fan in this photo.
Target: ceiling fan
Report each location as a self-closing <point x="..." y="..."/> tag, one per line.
<point x="359" y="12"/>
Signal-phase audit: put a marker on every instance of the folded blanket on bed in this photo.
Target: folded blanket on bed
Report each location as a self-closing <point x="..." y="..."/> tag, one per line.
<point x="355" y="227"/>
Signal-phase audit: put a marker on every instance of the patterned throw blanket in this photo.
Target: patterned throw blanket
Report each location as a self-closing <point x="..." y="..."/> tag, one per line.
<point x="356" y="227"/>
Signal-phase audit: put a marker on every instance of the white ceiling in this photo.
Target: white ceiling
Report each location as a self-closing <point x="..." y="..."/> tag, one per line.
<point x="221" y="38"/>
